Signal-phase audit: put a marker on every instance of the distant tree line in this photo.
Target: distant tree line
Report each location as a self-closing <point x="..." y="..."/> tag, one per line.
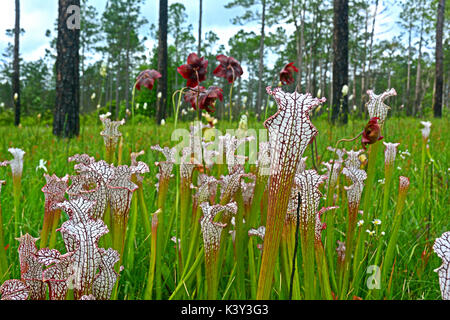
<point x="112" y="52"/>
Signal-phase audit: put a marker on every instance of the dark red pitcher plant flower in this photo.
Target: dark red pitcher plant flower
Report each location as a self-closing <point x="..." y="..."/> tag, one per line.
<point x="287" y="73"/>
<point x="147" y="79"/>
<point x="206" y="97"/>
<point x="229" y="68"/>
<point x="194" y="71"/>
<point x="371" y="133"/>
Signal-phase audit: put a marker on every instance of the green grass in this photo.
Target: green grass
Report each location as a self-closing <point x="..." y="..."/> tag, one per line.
<point x="415" y="261"/>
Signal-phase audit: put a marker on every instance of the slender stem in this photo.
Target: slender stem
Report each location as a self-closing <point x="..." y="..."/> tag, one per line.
<point x="294" y="258"/>
<point x="197" y="102"/>
<point x="151" y="272"/>
<point x="133" y="93"/>
<point x="231" y="95"/>
<point x="176" y="111"/>
<point x="268" y="99"/>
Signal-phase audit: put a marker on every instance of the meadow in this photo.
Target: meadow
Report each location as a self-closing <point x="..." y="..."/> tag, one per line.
<point x="424" y="218"/>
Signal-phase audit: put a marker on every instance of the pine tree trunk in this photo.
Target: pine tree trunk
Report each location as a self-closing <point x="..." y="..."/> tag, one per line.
<point x="407" y="99"/>
<point x="127" y="74"/>
<point x="117" y="90"/>
<point x="162" y="60"/>
<point x="354" y="87"/>
<point x="330" y="89"/>
<point x="363" y="72"/>
<point x="261" y="61"/>
<point x="199" y="48"/>
<point x="340" y="60"/>
<point x="82" y="82"/>
<point x="369" y="75"/>
<point x="239" y="94"/>
<point x="16" y="67"/>
<point x="299" y="34"/>
<point x="66" y="121"/>
<point x="321" y="76"/>
<point x="111" y="80"/>
<point x="417" y="100"/>
<point x="439" y="73"/>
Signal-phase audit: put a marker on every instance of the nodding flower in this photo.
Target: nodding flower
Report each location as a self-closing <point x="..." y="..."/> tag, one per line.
<point x="204" y="98"/>
<point x="371" y="133"/>
<point x="194" y="71"/>
<point x="287" y="73"/>
<point x="147" y="79"/>
<point x="229" y="68"/>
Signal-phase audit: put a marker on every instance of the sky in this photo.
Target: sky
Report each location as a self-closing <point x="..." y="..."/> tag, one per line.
<point x="39" y="16"/>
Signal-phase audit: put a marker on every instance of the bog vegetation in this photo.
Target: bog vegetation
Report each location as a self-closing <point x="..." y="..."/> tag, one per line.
<point x="195" y="180"/>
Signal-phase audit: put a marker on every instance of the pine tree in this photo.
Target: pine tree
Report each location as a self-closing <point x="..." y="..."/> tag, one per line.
<point x="340" y="61"/>
<point x="16" y="66"/>
<point x="66" y="121"/>
<point x="439" y="73"/>
<point x="162" y="61"/>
